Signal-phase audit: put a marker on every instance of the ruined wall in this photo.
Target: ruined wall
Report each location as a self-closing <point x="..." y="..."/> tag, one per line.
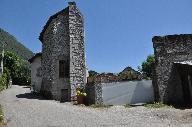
<point x="77" y="49"/>
<point x="55" y="48"/>
<point x="166" y="81"/>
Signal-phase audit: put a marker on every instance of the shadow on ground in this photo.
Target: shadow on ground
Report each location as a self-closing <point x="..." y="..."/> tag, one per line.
<point x="26" y="87"/>
<point x="182" y="106"/>
<point x="31" y="96"/>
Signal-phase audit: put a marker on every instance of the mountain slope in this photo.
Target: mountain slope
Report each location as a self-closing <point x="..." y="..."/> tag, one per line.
<point x="14" y="46"/>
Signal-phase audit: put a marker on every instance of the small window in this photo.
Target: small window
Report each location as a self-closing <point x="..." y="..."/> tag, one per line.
<point x="63" y="69"/>
<point x="39" y="72"/>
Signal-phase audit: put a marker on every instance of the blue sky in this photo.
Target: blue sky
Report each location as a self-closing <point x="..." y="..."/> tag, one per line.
<point x="118" y="32"/>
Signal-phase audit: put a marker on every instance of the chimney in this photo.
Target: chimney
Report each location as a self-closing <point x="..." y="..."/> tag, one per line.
<point x="72" y="3"/>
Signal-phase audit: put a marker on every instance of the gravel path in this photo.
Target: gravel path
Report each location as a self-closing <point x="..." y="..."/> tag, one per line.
<point x="23" y="110"/>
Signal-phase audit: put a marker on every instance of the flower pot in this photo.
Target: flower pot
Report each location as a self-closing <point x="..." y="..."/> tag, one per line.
<point x="80" y="99"/>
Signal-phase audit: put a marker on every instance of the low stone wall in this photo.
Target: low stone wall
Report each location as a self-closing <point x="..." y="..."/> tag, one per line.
<point x="94" y="93"/>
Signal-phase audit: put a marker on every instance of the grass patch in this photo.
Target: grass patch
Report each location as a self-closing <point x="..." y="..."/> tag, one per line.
<point x="1" y="114"/>
<point x="2" y="88"/>
<point x="2" y="124"/>
<point x="128" y="106"/>
<point x="100" y="106"/>
<point x="157" y="105"/>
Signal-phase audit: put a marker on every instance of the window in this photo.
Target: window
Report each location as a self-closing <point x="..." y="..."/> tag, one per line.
<point x="39" y="72"/>
<point x="63" y="69"/>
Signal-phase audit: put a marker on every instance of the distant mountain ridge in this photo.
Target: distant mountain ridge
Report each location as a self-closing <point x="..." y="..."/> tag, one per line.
<point x="14" y="46"/>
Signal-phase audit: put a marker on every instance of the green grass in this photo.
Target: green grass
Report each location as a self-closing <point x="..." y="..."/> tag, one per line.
<point x="1" y="88"/>
<point x="1" y="114"/>
<point x="100" y="106"/>
<point x="128" y="106"/>
<point x="157" y="105"/>
<point x="2" y="123"/>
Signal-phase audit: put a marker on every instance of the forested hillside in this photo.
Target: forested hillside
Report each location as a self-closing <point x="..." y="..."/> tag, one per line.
<point x="14" y="46"/>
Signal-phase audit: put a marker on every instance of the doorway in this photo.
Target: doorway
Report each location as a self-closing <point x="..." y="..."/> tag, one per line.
<point x="64" y="95"/>
<point x="185" y="72"/>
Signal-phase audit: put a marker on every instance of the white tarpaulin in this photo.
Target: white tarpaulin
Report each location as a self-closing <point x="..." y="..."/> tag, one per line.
<point x="184" y="62"/>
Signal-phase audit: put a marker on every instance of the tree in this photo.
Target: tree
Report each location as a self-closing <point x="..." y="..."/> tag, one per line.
<point x="4" y="79"/>
<point x="129" y="74"/>
<point x="92" y="73"/>
<point x="148" y="66"/>
<point x="18" y="68"/>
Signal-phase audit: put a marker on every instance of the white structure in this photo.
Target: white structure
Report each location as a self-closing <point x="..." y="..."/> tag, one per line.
<point x="129" y="92"/>
<point x="36" y="74"/>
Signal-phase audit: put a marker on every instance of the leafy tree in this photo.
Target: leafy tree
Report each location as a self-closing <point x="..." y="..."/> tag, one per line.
<point x="4" y="79"/>
<point x="18" y="68"/>
<point x="92" y="73"/>
<point x="129" y="74"/>
<point x="148" y="66"/>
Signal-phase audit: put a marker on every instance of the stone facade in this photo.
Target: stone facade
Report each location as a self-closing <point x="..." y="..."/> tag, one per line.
<point x="171" y="55"/>
<point x="77" y="51"/>
<point x="94" y="93"/>
<point x="63" y="40"/>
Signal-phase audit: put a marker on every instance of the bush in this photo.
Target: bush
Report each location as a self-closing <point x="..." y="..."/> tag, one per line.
<point x="147" y="67"/>
<point x="17" y="68"/>
<point x="128" y="106"/>
<point x="2" y="83"/>
<point x="1" y="114"/>
<point x="157" y="105"/>
<point x="4" y="79"/>
<point x="100" y="106"/>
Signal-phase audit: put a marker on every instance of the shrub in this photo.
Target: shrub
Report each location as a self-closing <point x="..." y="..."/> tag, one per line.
<point x="157" y="105"/>
<point x="148" y="66"/>
<point x="100" y="106"/>
<point x="1" y="114"/>
<point x="128" y="106"/>
<point x="4" y="79"/>
<point x="2" y="83"/>
<point x="80" y="91"/>
<point x="19" y="69"/>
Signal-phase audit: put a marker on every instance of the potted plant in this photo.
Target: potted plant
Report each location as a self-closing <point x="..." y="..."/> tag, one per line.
<point x="80" y="95"/>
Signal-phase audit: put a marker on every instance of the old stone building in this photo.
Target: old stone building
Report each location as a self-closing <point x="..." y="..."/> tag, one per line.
<point x="173" y="68"/>
<point x="63" y="54"/>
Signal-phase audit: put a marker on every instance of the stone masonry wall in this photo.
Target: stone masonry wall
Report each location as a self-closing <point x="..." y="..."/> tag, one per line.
<point x="55" y="48"/>
<point x="77" y="49"/>
<point x="63" y="39"/>
<point x="166" y="81"/>
<point x="94" y="93"/>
